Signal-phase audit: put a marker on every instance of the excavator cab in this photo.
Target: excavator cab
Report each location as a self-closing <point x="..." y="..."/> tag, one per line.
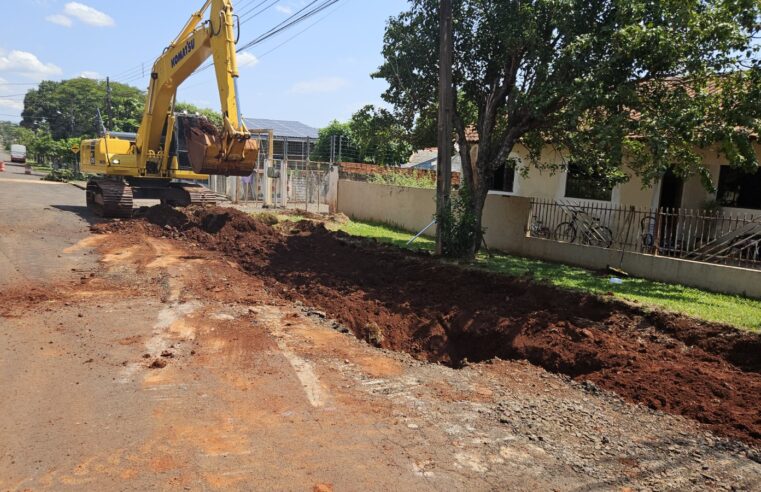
<point x="209" y="150"/>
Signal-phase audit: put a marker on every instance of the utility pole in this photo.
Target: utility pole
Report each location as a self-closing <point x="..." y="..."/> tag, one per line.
<point x="446" y="101"/>
<point x="108" y="104"/>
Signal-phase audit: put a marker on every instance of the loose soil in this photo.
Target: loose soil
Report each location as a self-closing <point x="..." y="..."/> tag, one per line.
<point x="445" y="313"/>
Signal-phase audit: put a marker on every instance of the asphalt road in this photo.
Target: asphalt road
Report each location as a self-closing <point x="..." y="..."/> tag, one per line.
<point x="39" y="220"/>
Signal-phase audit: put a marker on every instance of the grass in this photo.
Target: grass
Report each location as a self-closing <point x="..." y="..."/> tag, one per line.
<point x="386" y="234"/>
<point x="732" y="310"/>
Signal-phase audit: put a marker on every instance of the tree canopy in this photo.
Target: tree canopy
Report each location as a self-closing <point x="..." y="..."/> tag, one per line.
<point x="327" y="140"/>
<point x="68" y="108"/>
<point x="372" y="135"/>
<point x="379" y="137"/>
<point x="213" y="116"/>
<point x="602" y="81"/>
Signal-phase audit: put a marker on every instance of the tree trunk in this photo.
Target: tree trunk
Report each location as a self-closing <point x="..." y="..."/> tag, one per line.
<point x="477" y="201"/>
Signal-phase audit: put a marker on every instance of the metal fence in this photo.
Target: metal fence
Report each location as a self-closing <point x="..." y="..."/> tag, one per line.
<point x="306" y="187"/>
<point x="693" y="234"/>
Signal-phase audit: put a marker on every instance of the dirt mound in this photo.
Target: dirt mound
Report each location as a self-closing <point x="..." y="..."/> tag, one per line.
<point x="448" y="314"/>
<point x="740" y="348"/>
<point x="163" y="216"/>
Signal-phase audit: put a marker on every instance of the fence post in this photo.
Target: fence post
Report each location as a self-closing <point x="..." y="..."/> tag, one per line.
<point x="269" y="163"/>
<point x="332" y="197"/>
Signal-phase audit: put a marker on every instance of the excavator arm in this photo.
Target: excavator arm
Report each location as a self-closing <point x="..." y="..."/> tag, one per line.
<point x="231" y="152"/>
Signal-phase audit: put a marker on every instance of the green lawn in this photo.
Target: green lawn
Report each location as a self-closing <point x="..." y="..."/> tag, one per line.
<point x="732" y="310"/>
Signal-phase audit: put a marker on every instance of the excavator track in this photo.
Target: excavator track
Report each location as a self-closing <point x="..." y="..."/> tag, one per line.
<point x="109" y="198"/>
<point x="193" y="194"/>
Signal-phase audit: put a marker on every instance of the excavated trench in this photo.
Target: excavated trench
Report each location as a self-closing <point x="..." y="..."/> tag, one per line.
<point x="449" y="314"/>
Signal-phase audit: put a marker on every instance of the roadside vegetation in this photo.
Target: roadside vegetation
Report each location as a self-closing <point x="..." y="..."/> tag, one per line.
<point x="408" y="180"/>
<point x="65" y="175"/>
<point x="732" y="310"/>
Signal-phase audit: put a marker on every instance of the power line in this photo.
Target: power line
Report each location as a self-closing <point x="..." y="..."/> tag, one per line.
<point x="254" y="14"/>
<point x="279" y="45"/>
<point x="291" y="21"/>
<point x="246" y="4"/>
<point x="24" y="117"/>
<point x="138" y="71"/>
<point x="303" y="30"/>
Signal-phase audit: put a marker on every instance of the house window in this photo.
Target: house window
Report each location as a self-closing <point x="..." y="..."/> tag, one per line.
<point x="738" y="188"/>
<point x="585" y="184"/>
<point x="504" y="179"/>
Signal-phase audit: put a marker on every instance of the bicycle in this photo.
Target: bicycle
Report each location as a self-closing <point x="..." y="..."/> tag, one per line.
<point x="538" y="229"/>
<point x="647" y="229"/>
<point x="592" y="234"/>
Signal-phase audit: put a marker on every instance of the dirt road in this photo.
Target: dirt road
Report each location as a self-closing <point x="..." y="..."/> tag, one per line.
<point x="134" y="362"/>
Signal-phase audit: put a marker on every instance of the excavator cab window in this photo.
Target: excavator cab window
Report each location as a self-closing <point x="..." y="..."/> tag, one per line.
<point x="183" y="124"/>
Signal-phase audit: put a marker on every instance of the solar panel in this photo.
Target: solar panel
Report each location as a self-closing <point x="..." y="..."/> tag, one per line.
<point x="284" y="128"/>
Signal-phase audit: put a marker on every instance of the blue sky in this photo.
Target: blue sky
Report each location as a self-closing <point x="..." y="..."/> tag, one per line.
<point x="320" y="75"/>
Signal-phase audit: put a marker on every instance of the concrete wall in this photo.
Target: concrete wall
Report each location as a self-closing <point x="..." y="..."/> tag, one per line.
<point x="506" y="220"/>
<point x="408" y="208"/>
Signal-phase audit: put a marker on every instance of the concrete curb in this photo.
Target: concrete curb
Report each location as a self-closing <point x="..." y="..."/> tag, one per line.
<point x="82" y="185"/>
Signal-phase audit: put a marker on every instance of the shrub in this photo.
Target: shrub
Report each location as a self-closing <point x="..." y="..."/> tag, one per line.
<point x="408" y="180"/>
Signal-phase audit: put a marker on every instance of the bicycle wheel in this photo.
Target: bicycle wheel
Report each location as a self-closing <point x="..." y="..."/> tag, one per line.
<point x="542" y="232"/>
<point x="599" y="236"/>
<point x="565" y="232"/>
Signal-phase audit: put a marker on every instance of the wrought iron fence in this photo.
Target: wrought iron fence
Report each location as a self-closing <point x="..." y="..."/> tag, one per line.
<point x="693" y="234"/>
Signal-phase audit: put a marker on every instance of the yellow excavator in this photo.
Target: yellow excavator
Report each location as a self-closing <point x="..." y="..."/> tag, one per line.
<point x="170" y="149"/>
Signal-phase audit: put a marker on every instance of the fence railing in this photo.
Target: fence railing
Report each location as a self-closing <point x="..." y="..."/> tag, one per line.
<point x="307" y="185"/>
<point x="693" y="234"/>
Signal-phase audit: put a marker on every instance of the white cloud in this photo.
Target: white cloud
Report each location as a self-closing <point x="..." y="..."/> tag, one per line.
<point x="88" y="74"/>
<point x="319" y="85"/>
<point x="284" y="9"/>
<point x="59" y="19"/>
<point x="247" y="59"/>
<point x="27" y="64"/>
<point x="88" y="15"/>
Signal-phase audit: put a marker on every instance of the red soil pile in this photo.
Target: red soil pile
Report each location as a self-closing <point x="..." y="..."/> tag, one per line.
<point x="449" y="314"/>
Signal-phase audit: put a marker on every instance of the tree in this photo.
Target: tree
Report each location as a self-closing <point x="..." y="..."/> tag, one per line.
<point x="602" y="81"/>
<point x="379" y="137"/>
<point x="214" y="116"/>
<point x="7" y="133"/>
<point x="327" y="145"/>
<point x="68" y="108"/>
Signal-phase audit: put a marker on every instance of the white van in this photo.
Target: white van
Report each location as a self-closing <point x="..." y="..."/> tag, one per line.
<point x="18" y="153"/>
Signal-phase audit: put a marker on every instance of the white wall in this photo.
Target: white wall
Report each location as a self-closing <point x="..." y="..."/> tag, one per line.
<point x="550" y="183"/>
<point x="506" y="221"/>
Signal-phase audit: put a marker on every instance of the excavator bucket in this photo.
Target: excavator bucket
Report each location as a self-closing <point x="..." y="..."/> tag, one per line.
<point x="208" y="155"/>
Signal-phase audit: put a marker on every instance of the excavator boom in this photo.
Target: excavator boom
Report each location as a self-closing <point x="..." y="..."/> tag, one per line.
<point x="170" y="146"/>
<point x="230" y="152"/>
